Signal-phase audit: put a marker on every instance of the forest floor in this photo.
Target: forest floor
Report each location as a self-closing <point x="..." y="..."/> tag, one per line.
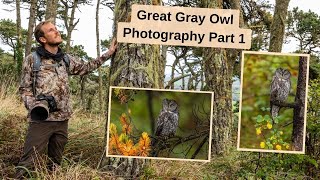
<point x="83" y="150"/>
<point x="86" y="145"/>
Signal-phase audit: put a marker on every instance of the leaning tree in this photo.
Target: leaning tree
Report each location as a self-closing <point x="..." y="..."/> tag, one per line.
<point x="134" y="65"/>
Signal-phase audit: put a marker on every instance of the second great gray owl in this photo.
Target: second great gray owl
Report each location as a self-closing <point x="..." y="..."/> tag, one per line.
<point x="279" y="90"/>
<point x="168" y="119"/>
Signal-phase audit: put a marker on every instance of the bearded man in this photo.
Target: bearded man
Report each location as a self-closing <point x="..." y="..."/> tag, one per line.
<point x="49" y="83"/>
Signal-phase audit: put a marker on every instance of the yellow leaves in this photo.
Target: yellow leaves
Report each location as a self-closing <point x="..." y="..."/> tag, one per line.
<point x="113" y="140"/>
<point x="123" y="138"/>
<point x="270" y="136"/>
<point x="258" y="131"/>
<point x="116" y="91"/>
<point x="145" y="136"/>
<point x="113" y="129"/>
<point x="269" y="125"/>
<point x="113" y="144"/>
<point x="127" y="148"/>
<point x="144" y="144"/>
<point x="123" y="144"/>
<point x="278" y="147"/>
<point x="144" y="139"/>
<point x="287" y="146"/>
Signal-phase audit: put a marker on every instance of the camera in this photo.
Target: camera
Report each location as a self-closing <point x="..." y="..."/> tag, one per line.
<point x="43" y="106"/>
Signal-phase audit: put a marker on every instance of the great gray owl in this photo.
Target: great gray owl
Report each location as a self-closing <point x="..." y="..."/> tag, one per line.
<point x="279" y="90"/>
<point x="168" y="119"/>
<point x="167" y="124"/>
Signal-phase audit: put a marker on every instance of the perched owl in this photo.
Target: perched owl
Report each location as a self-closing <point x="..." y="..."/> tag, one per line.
<point x="167" y="123"/>
<point x="279" y="90"/>
<point x="168" y="119"/>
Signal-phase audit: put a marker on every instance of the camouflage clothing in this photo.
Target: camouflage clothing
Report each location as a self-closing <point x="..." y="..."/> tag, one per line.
<point x="52" y="80"/>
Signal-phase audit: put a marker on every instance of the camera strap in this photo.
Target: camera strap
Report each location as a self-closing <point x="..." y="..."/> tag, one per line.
<point x="36" y="68"/>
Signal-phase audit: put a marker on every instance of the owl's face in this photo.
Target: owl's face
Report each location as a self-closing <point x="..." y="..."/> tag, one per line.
<point x="169" y="105"/>
<point x="283" y="74"/>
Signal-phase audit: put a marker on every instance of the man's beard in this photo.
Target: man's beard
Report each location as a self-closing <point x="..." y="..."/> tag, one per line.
<point x="54" y="44"/>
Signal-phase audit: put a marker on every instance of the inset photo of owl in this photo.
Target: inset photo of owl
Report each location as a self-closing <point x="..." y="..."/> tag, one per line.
<point x="273" y="102"/>
<point x="159" y="123"/>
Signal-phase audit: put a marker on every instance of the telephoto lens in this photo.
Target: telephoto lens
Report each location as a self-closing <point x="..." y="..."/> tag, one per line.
<point x="40" y="111"/>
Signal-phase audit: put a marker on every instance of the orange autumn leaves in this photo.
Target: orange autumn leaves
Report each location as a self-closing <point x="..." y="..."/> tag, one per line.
<point x="122" y="144"/>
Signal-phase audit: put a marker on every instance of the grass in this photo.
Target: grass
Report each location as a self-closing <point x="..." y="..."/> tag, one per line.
<point x="12" y="130"/>
<point x="81" y="155"/>
<point x="84" y="148"/>
<point x="86" y="145"/>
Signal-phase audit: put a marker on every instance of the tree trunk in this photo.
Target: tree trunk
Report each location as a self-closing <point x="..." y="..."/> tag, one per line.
<point x="235" y="4"/>
<point x="298" y="112"/>
<point x="19" y="54"/>
<point x="69" y="22"/>
<point x="218" y="75"/>
<point x="218" y="71"/>
<point x="278" y="25"/>
<point x="101" y="103"/>
<point x="134" y="65"/>
<point x="32" y="19"/>
<point x="51" y="10"/>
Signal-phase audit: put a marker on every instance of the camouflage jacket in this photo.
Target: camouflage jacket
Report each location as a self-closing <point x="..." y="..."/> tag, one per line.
<point x="52" y="80"/>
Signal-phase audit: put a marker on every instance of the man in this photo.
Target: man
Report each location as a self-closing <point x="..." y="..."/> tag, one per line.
<point x="50" y="81"/>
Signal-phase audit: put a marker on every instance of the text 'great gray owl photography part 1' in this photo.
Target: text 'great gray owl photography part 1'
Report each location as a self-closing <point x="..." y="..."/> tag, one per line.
<point x="149" y="123"/>
<point x="273" y="102"/>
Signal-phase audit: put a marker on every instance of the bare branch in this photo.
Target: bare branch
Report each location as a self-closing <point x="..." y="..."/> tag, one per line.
<point x="199" y="147"/>
<point x="170" y="83"/>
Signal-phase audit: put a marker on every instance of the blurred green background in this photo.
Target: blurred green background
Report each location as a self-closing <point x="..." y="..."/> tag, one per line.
<point x="258" y="71"/>
<point x="194" y="116"/>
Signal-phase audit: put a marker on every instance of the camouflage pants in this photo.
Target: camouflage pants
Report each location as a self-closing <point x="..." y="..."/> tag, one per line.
<point x="42" y="136"/>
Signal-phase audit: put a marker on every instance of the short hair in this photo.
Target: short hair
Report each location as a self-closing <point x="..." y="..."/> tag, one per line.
<point x="38" y="31"/>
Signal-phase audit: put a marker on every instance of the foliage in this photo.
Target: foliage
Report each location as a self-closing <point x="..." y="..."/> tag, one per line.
<point x="7" y="65"/>
<point x="124" y="145"/>
<point x="313" y="106"/>
<point x="305" y="27"/>
<point x="272" y="137"/>
<point x="105" y="44"/>
<point x="237" y="165"/>
<point x="314" y="68"/>
<point x="8" y="33"/>
<point x="313" y="128"/>
<point x="257" y="16"/>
